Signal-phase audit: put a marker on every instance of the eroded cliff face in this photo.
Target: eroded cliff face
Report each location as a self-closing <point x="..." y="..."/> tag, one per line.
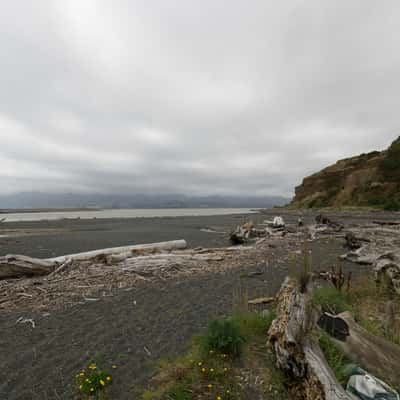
<point x="371" y="179"/>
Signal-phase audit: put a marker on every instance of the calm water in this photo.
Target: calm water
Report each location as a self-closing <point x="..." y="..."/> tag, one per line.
<point x="124" y="213"/>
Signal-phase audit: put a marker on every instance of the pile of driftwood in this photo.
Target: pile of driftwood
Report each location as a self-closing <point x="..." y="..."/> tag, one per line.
<point x="377" y="245"/>
<point x="275" y="228"/>
<point x="74" y="278"/>
<point x="294" y="337"/>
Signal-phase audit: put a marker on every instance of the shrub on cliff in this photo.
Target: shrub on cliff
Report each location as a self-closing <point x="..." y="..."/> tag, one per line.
<point x="390" y="166"/>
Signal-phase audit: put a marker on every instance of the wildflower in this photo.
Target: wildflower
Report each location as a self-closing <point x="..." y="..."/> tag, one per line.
<point x="203" y="370"/>
<point x="228" y="391"/>
<point x="211" y="369"/>
<point x="211" y="351"/>
<point x="80" y="386"/>
<point x="87" y="380"/>
<point x="114" y="366"/>
<point x="199" y="363"/>
<point x="92" y="366"/>
<point x="92" y="389"/>
<point x="209" y="385"/>
<point x="225" y="369"/>
<point x="102" y="382"/>
<point x="108" y="378"/>
<point x="81" y="374"/>
<point x="219" y="398"/>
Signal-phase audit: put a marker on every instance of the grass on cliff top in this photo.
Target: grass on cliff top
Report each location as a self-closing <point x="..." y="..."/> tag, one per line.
<point x="211" y="371"/>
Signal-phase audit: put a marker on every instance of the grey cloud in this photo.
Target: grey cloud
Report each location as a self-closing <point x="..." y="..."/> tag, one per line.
<point x="211" y="97"/>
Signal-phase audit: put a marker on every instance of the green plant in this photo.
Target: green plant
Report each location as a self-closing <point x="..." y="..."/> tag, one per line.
<point x="223" y="336"/>
<point x="93" y="381"/>
<point x="331" y="300"/>
<point x="392" y="205"/>
<point x="390" y="166"/>
<point x="336" y="359"/>
<point x="253" y="324"/>
<point x="179" y="391"/>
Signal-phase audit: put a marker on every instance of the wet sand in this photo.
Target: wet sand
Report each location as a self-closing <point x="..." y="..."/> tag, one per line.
<point x="46" y="239"/>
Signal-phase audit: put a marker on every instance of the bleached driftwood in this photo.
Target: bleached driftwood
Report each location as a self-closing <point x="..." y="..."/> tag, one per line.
<point x="297" y="351"/>
<point x="387" y="269"/>
<point x="124" y="251"/>
<point x="376" y="354"/>
<point x="262" y="300"/>
<point x="16" y="266"/>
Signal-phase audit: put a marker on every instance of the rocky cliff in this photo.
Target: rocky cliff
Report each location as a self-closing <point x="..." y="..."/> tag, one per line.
<point x="371" y="180"/>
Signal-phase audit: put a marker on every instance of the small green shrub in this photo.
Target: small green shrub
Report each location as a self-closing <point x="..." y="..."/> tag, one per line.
<point x="331" y="300"/>
<point x="93" y="381"/>
<point x="336" y="359"/>
<point x="392" y="205"/>
<point x="223" y="336"/>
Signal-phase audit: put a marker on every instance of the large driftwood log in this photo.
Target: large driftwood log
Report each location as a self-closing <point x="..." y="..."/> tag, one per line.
<point x="16" y="266"/>
<point x="297" y="351"/>
<point x="374" y="353"/>
<point x="124" y="251"/>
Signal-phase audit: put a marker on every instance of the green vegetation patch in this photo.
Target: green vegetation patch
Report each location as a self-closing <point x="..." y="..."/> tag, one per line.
<point x="214" y="369"/>
<point x="390" y="166"/>
<point x="332" y="300"/>
<point x="336" y="359"/>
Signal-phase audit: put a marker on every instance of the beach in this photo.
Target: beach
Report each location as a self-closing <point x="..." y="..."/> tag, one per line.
<point x="133" y="327"/>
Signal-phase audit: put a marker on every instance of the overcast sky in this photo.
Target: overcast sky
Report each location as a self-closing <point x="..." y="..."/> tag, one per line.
<point x="189" y="96"/>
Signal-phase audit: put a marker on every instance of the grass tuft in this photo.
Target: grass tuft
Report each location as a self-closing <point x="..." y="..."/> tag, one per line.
<point x="331" y="300"/>
<point x="336" y="359"/>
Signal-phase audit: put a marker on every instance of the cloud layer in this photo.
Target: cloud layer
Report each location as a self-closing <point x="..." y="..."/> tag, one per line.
<point x="210" y="97"/>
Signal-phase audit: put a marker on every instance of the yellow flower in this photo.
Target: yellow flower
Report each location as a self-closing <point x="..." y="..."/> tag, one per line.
<point x="80" y="386"/>
<point x="87" y="380"/>
<point x="102" y="382"/>
<point x="81" y="374"/>
<point x="219" y="398"/>
<point x="114" y="366"/>
<point x="92" y="389"/>
<point x="92" y="366"/>
<point x="108" y="378"/>
<point x="209" y="386"/>
<point x="200" y="364"/>
<point x="212" y="370"/>
<point x="203" y="370"/>
<point x="225" y="369"/>
<point x="228" y="391"/>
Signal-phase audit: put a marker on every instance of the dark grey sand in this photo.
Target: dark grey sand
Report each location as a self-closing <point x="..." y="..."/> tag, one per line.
<point x="40" y="363"/>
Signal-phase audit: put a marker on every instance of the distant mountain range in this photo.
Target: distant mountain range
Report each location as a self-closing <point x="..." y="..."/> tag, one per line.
<point x="73" y="200"/>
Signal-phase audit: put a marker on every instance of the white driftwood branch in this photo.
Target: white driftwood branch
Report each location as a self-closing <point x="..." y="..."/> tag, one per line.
<point x="125" y="250"/>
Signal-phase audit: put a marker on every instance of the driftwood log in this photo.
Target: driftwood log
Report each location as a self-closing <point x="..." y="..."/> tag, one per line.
<point x="297" y="351"/>
<point x="374" y="353"/>
<point x="124" y="251"/>
<point x="17" y="266"/>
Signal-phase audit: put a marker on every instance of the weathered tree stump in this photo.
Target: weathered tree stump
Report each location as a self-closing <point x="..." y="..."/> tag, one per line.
<point x="297" y="351"/>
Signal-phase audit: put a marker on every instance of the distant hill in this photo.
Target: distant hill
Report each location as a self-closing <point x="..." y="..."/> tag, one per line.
<point x="74" y="200"/>
<point x="371" y="180"/>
